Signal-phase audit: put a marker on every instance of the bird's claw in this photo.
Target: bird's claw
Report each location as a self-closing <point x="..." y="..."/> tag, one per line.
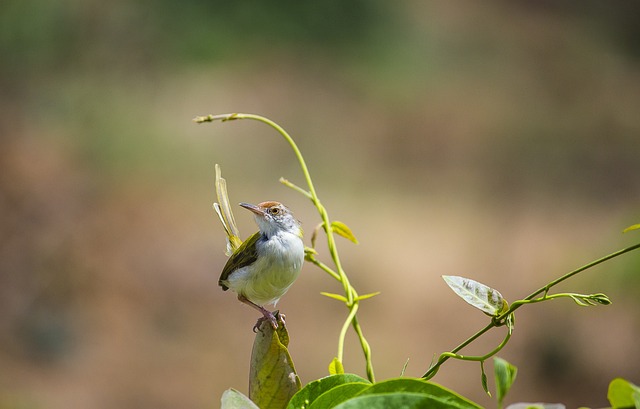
<point x="268" y="316"/>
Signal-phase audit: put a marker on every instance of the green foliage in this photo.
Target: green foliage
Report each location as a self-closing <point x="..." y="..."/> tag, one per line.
<point x="623" y="394"/>
<point x="314" y="389"/>
<point x="335" y="367"/>
<point x="273" y="380"/>
<point x="505" y="374"/>
<point x="630" y="228"/>
<point x="351" y="391"/>
<point x="343" y="230"/>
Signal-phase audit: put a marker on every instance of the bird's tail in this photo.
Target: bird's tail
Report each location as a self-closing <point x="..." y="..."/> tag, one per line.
<point x="223" y="210"/>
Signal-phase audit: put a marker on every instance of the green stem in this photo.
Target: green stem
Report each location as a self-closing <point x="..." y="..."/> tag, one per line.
<point x="497" y="321"/>
<point x="366" y="349"/>
<point x="481" y="358"/>
<point x="307" y="176"/>
<point x="570" y="274"/>
<point x="446" y="355"/>
<point x="340" y="275"/>
<point x="343" y="331"/>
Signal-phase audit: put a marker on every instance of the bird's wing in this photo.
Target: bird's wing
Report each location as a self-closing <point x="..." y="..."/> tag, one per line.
<point x="245" y="255"/>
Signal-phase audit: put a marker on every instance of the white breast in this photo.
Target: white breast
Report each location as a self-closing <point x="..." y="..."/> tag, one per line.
<point x="279" y="263"/>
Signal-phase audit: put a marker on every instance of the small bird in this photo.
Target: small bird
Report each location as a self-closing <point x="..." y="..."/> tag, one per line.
<point x="263" y="268"/>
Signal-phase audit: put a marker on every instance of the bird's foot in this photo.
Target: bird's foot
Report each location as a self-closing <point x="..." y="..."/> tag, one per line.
<point x="267" y="316"/>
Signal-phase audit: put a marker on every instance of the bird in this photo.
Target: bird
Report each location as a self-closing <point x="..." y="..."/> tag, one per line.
<point x="266" y="264"/>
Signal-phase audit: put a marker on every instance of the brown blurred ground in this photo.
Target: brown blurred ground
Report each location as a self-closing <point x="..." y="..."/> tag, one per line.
<point x="495" y="141"/>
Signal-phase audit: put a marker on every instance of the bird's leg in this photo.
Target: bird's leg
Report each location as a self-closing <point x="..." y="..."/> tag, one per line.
<point x="267" y="315"/>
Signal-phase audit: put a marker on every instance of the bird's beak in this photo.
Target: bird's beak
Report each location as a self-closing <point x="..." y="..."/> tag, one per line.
<point x="255" y="209"/>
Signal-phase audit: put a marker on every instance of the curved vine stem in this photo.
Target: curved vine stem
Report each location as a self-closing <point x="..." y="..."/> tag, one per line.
<point x="350" y="293"/>
<point x="500" y="319"/>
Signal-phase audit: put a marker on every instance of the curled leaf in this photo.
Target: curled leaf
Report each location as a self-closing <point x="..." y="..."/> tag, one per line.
<point x="314" y="235"/>
<point x="590" y="299"/>
<point x="483" y="297"/>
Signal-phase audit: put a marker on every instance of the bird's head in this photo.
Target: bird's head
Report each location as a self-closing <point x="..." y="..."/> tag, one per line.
<point x="274" y="217"/>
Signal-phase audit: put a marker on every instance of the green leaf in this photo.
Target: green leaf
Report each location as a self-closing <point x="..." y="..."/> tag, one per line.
<point x="483" y="378"/>
<point x="307" y="395"/>
<point x="339" y="394"/>
<point x="623" y="394"/>
<point x="343" y="230"/>
<point x="404" y="400"/>
<point x="365" y="296"/>
<point x="432" y="390"/>
<point x="590" y="299"/>
<point x="335" y="367"/>
<point x="634" y="227"/>
<point x="505" y="374"/>
<point x="479" y="295"/>
<point x="272" y="375"/>
<point x="335" y="296"/>
<point x="538" y="405"/>
<point x="232" y="399"/>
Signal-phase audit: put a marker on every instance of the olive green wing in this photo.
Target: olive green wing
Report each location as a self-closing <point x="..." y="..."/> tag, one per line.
<point x="245" y="255"/>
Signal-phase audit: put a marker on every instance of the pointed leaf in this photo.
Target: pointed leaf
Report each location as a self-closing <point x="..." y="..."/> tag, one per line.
<point x="272" y="376"/>
<point x="335" y="296"/>
<point x="623" y="394"/>
<point x="505" y="374"/>
<point x="343" y="230"/>
<point x="483" y="379"/>
<point x="335" y="367"/>
<point x="365" y="296"/>
<point x="634" y="227"/>
<point x="232" y="399"/>
<point x="479" y="295"/>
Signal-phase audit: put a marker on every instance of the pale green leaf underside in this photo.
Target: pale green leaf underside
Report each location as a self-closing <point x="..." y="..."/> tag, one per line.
<point x="232" y="399"/>
<point x="477" y="294"/>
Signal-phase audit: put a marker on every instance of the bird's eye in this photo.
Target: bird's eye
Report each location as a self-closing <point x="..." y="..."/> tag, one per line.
<point x="274" y="210"/>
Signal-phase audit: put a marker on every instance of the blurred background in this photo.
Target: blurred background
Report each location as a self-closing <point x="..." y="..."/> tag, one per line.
<point x="497" y="141"/>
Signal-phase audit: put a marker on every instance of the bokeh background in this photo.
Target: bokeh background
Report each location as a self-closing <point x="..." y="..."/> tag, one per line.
<point x="498" y="141"/>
